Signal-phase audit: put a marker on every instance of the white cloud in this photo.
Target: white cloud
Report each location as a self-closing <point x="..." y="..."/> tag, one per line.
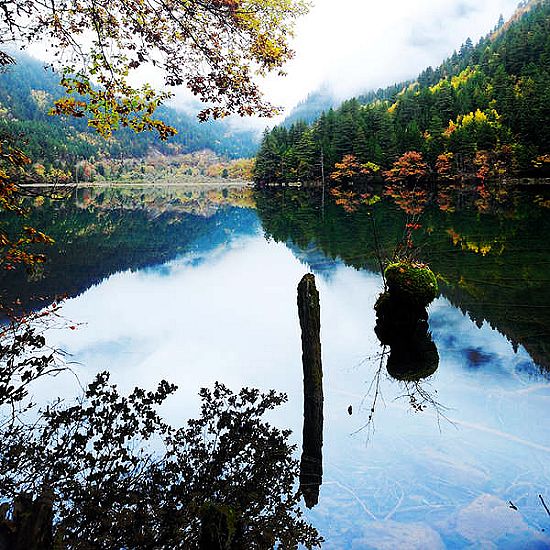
<point x="357" y="45"/>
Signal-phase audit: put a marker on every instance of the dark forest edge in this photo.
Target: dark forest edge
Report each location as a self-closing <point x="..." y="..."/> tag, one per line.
<point x="477" y="117"/>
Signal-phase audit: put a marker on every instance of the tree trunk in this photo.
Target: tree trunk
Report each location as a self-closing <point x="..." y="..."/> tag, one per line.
<point x="311" y="464"/>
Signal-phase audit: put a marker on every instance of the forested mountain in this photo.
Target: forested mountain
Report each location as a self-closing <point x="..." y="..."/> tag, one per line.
<point x="309" y="110"/>
<point x="316" y="103"/>
<point x="483" y="112"/>
<point x="27" y="91"/>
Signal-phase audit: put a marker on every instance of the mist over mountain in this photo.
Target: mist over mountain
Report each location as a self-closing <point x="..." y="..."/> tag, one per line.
<point x="412" y="43"/>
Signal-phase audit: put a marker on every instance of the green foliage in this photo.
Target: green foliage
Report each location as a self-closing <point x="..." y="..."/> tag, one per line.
<point x="412" y="282"/>
<point x="485" y="98"/>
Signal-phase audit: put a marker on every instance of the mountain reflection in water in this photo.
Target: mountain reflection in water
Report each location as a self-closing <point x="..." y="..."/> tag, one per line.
<point x="492" y="262"/>
<point x="207" y="292"/>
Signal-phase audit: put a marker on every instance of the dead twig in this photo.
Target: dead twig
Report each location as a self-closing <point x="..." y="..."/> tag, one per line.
<point x="544" y="504"/>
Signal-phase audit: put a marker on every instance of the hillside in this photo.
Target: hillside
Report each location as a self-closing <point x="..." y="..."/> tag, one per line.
<point x="27" y="91"/>
<point x="485" y="107"/>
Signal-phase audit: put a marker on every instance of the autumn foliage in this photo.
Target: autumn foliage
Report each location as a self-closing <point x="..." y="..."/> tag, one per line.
<point x="350" y="201"/>
<point x="350" y="169"/>
<point x="409" y="168"/>
<point x="16" y="249"/>
<point x="215" y="48"/>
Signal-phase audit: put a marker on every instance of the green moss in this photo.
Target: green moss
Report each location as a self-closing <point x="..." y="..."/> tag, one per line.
<point x="412" y="282"/>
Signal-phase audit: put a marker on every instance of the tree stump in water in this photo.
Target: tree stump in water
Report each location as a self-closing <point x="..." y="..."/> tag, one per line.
<point x="311" y="464"/>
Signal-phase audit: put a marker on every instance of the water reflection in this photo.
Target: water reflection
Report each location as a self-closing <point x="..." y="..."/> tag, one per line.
<point x="224" y="307"/>
<point x="222" y="481"/>
<point x="489" y="253"/>
<point x="100" y="232"/>
<point x="413" y="353"/>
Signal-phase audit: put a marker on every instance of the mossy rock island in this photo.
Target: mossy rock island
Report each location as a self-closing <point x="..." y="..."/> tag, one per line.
<point x="411" y="282"/>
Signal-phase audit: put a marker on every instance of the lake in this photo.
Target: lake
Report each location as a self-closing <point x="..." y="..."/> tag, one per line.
<point x="198" y="286"/>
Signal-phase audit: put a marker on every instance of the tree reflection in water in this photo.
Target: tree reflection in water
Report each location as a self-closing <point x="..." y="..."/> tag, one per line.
<point x="108" y="472"/>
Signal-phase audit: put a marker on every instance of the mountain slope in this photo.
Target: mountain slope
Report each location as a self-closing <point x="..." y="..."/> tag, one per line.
<point x="492" y="98"/>
<point x="27" y="92"/>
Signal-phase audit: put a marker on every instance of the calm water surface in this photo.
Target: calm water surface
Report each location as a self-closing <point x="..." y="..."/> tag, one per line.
<point x="197" y="287"/>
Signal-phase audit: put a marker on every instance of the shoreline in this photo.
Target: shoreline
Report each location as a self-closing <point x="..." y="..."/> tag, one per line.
<point x="136" y="184"/>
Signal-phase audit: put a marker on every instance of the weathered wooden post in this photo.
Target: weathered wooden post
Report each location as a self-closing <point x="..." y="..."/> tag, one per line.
<point x="311" y="464"/>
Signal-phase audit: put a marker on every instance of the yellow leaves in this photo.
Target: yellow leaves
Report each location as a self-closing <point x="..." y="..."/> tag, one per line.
<point x="110" y="108"/>
<point x="490" y="115"/>
<point x="268" y="51"/>
<point x="482" y="249"/>
<point x="370" y="168"/>
<point x="461" y="79"/>
<point x="393" y="107"/>
<point x="478" y="118"/>
<point x="470" y="246"/>
<point x="436" y="87"/>
<point x="456" y="81"/>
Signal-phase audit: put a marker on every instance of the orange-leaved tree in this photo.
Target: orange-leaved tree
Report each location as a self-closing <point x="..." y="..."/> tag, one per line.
<point x="409" y="168"/>
<point x="350" y="169"/>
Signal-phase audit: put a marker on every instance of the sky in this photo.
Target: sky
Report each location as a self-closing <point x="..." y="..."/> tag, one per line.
<point x="354" y="46"/>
